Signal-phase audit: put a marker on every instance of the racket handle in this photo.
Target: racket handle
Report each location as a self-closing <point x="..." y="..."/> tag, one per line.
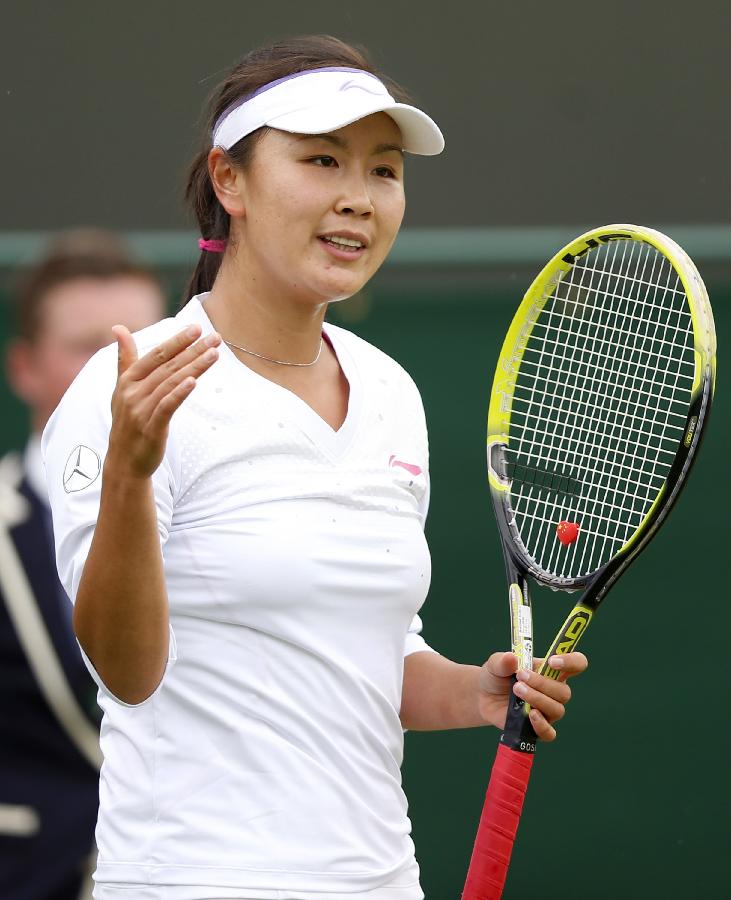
<point x="498" y="825"/>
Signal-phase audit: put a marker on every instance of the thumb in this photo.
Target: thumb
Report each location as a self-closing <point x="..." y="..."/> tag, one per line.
<point x="126" y="348"/>
<point x="502" y="665"/>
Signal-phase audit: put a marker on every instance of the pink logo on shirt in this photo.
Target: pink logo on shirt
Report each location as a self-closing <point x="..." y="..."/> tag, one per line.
<point x="410" y="467"/>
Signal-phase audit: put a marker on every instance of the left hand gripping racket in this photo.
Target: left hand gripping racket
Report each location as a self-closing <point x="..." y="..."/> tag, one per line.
<point x="600" y="398"/>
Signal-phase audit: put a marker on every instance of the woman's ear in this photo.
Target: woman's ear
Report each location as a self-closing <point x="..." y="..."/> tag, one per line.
<point x="227" y="181"/>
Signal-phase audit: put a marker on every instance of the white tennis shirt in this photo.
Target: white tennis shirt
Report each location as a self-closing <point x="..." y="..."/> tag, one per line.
<point x="267" y="762"/>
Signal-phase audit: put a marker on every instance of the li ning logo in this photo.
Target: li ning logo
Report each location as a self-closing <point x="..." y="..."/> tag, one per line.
<point x="411" y="468"/>
<point x="356" y="85"/>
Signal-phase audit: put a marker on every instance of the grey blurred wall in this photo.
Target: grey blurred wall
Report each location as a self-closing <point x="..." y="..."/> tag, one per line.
<point x="554" y="112"/>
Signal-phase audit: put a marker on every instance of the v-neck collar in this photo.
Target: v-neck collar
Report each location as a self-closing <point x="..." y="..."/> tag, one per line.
<point x="333" y="443"/>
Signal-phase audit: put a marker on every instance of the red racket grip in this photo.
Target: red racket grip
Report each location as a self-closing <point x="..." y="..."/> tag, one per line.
<point x="498" y="825"/>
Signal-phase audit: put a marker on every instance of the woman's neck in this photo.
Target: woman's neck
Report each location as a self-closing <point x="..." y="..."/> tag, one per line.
<point x="263" y="321"/>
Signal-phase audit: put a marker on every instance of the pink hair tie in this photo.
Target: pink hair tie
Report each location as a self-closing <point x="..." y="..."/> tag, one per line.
<point x="213" y="245"/>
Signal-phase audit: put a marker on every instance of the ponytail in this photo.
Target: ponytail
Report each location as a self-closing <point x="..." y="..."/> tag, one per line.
<point x="213" y="222"/>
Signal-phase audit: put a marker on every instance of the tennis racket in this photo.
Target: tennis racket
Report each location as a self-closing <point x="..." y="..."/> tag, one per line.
<point x="600" y="398"/>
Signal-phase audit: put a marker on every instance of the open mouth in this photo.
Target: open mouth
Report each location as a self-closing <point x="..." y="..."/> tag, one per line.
<point x="349" y="245"/>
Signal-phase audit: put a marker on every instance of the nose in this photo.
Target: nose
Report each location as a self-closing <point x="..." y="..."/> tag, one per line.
<point x="355" y="200"/>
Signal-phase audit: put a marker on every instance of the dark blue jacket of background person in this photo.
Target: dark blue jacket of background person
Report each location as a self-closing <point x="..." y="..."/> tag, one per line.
<point x="49" y="754"/>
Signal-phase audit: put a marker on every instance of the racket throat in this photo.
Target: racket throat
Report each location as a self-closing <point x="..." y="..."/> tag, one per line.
<point x="521" y="623"/>
<point x="518" y="733"/>
<point x="569" y="635"/>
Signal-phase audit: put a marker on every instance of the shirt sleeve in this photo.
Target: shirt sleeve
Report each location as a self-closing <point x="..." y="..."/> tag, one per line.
<point x="414" y="641"/>
<point x="74" y="447"/>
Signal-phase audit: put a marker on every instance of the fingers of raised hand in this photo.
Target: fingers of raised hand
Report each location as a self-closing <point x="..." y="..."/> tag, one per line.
<point x="126" y="348"/>
<point x="146" y="404"/>
<point x="167" y="405"/>
<point x="170" y="394"/>
<point x="549" y="697"/>
<point x="190" y="363"/>
<point x="149" y="379"/>
<point x="166" y="357"/>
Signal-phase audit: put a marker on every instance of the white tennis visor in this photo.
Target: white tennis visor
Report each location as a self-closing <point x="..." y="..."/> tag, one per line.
<point x="323" y="100"/>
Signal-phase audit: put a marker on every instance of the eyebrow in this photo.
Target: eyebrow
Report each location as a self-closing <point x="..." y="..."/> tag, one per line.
<point x="343" y="144"/>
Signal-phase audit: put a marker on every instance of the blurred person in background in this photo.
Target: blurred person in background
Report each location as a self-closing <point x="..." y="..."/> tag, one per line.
<point x="49" y="750"/>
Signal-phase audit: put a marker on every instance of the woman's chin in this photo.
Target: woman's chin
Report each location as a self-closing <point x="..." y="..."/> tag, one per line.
<point x="332" y="290"/>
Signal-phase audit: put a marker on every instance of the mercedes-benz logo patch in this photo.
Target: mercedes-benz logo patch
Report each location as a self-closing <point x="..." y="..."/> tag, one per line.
<point x="82" y="468"/>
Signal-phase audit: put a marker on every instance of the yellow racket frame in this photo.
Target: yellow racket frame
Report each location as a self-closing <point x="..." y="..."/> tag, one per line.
<point x="504" y="383"/>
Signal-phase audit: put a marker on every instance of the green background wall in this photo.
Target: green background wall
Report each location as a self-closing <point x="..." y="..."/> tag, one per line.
<point x="632" y="801"/>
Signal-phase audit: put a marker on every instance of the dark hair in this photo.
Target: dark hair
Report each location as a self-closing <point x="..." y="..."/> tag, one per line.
<point x="80" y="253"/>
<point x="257" y="68"/>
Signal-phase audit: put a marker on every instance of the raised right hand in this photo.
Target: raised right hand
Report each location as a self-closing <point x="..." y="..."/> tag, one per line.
<point x="148" y="391"/>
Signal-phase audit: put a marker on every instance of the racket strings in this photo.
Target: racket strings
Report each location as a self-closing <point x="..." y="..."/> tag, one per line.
<point x="567" y="404"/>
<point x="621" y="357"/>
<point x="609" y="494"/>
<point x="562" y="407"/>
<point x="537" y="408"/>
<point x="600" y="397"/>
<point x="613" y="344"/>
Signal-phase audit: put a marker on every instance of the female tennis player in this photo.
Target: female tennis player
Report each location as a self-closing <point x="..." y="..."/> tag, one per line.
<point x="239" y="496"/>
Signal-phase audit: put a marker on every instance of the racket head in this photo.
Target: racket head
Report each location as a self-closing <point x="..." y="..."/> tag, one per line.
<point x="600" y="398"/>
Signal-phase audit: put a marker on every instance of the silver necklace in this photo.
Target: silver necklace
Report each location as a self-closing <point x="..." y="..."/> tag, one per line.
<point x="279" y="362"/>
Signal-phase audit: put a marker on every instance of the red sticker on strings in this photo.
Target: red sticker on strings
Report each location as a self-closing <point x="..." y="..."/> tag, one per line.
<point x="567" y="532"/>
